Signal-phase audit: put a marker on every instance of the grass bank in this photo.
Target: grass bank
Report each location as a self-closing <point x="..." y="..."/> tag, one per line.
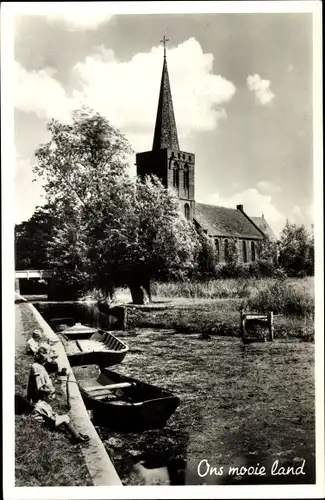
<point x="216" y="317"/>
<point x="214" y="307"/>
<point x="283" y="296"/>
<point x="42" y="457"/>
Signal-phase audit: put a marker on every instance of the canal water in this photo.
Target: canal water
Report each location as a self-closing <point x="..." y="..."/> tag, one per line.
<point x="241" y="407"/>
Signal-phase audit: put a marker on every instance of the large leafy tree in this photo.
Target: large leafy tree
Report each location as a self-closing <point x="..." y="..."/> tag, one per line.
<point x="113" y="229"/>
<point x="32" y="239"/>
<point x="296" y="254"/>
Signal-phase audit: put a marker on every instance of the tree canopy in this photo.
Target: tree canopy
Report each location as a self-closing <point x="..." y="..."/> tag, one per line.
<point x="296" y="250"/>
<point x="32" y="239"/>
<point x="111" y="228"/>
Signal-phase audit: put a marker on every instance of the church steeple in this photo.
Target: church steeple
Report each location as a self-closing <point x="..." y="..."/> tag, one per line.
<point x="174" y="168"/>
<point x="165" y="135"/>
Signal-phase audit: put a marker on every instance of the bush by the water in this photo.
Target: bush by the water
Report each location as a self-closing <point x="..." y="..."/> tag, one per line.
<point x="292" y="297"/>
<point x="282" y="296"/>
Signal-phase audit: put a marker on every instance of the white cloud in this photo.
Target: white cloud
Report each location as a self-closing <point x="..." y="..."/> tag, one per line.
<point x="28" y="194"/>
<point x="127" y="92"/>
<point x="82" y="17"/>
<point x="40" y="93"/>
<point x="303" y="214"/>
<point x="268" y="187"/>
<point x="261" y="88"/>
<point x="255" y="204"/>
<point x="297" y="211"/>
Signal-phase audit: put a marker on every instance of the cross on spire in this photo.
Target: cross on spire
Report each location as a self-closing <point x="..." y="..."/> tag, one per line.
<point x="163" y="41"/>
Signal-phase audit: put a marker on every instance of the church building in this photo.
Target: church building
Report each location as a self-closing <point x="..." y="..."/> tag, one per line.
<point x="176" y="170"/>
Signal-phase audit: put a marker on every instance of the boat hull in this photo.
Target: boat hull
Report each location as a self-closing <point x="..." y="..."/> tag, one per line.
<point x="100" y="358"/>
<point x="101" y="348"/>
<point x="146" y="416"/>
<point x="151" y="407"/>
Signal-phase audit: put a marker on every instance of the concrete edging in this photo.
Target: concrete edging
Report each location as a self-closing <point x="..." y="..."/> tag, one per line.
<point x="99" y="465"/>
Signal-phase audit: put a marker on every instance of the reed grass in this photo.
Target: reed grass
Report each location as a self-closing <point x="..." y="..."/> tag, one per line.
<point x="283" y="296"/>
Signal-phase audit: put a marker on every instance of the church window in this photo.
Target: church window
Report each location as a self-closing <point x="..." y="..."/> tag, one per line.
<point x="253" y="251"/>
<point x="184" y="157"/>
<point x="217" y="247"/>
<point x="226" y="251"/>
<point x="244" y="251"/>
<point x="187" y="211"/>
<point x="190" y="158"/>
<point x="179" y="155"/>
<point x="176" y="177"/>
<point x="186" y="178"/>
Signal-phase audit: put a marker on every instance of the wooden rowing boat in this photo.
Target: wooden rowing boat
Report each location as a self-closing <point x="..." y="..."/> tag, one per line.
<point x="102" y="349"/>
<point x="125" y="404"/>
<point x="79" y="331"/>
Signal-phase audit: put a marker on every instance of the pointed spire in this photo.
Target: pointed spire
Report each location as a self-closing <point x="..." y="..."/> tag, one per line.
<point x="165" y="135"/>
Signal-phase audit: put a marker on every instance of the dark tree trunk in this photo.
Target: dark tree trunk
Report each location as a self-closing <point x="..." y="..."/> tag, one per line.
<point x="137" y="294"/>
<point x="147" y="288"/>
<point x="109" y="291"/>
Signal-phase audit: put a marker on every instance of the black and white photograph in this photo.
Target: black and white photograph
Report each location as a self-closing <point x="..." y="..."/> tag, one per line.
<point x="162" y="235"/>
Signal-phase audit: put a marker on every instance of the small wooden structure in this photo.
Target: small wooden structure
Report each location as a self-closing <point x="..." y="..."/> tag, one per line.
<point x="251" y="323"/>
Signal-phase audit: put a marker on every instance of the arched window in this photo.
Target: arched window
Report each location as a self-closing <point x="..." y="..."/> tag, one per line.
<point x="253" y="251"/>
<point x="217" y="246"/>
<point x="244" y="251"/>
<point x="176" y="176"/>
<point x="226" y="251"/>
<point x="187" y="211"/>
<point x="186" y="179"/>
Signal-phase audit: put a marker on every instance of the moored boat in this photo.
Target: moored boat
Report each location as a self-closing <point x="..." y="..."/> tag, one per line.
<point x="123" y="403"/>
<point x="99" y="348"/>
<point x="79" y="331"/>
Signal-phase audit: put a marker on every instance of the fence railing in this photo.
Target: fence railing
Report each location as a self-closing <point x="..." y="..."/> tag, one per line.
<point x="30" y="274"/>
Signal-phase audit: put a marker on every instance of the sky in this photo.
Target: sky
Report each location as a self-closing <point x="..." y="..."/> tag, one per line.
<point x="241" y="86"/>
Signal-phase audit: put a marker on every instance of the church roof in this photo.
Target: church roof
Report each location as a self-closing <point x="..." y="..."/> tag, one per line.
<point x="165" y="135"/>
<point x="221" y="221"/>
<point x="263" y="225"/>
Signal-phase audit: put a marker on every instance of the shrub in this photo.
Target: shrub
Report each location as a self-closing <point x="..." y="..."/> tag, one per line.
<point x="205" y="258"/>
<point x="297" y="250"/>
<point x="94" y="295"/>
<point x="282" y="297"/>
<point x="262" y="269"/>
<point x="280" y="274"/>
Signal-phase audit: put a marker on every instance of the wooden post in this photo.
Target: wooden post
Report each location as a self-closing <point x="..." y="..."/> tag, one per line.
<point x="17" y="285"/>
<point x="271" y="329"/>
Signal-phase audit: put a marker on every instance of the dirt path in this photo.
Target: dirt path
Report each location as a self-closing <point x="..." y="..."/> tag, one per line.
<point x="20" y="339"/>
